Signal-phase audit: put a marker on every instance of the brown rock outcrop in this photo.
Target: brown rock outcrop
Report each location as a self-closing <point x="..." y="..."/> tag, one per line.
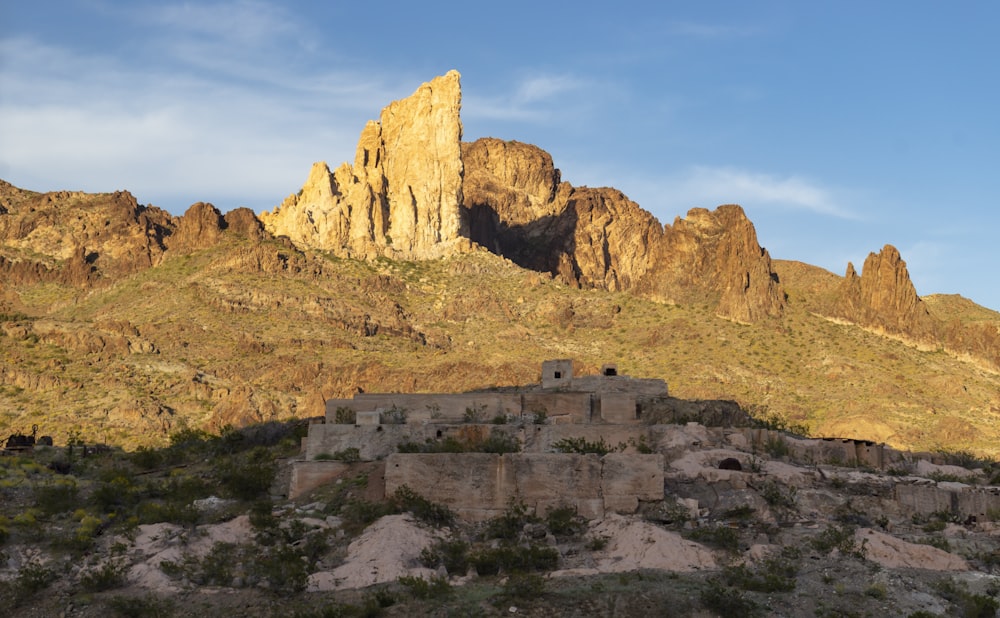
<point x="200" y="227"/>
<point x="518" y="207"/>
<point x="883" y="297"/>
<point x="401" y="197"/>
<point x="77" y="237"/>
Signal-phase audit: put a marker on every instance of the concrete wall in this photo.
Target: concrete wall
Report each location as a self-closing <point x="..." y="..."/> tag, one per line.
<point x="618" y="408"/>
<point x="423" y="407"/>
<point x="479" y="486"/>
<point x="557" y="373"/>
<point x="980" y="502"/>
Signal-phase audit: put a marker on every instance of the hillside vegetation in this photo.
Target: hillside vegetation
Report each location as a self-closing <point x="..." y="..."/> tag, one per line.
<point x="246" y="331"/>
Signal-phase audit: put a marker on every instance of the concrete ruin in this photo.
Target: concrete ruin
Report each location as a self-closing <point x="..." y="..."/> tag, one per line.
<point x="608" y="408"/>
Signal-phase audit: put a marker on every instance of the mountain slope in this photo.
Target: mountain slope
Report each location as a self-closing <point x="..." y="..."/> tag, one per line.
<point x="119" y="321"/>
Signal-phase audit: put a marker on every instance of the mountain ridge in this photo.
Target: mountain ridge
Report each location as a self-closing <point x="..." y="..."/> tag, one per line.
<point x="141" y="321"/>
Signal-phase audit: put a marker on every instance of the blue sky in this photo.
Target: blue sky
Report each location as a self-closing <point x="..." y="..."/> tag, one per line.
<point x="839" y="126"/>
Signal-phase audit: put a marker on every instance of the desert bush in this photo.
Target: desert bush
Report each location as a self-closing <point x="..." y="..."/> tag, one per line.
<point x="116" y="495"/>
<point x="582" y="446"/>
<point x="345" y="416"/>
<point x="970" y="605"/>
<point x="564" y="521"/>
<point x="146" y="458"/>
<point x="405" y="499"/>
<point x="283" y="568"/>
<point x="433" y="588"/>
<point x="248" y="475"/>
<point x="523" y="587"/>
<point x="348" y="455"/>
<point x="509" y="524"/>
<point x="452" y="554"/>
<point x="773" y="574"/>
<point x="840" y="538"/>
<point x="777" y="496"/>
<point x="499" y="443"/>
<point x="719" y="537"/>
<point x="141" y="607"/>
<point x="31" y="579"/>
<point x="108" y="576"/>
<point x="393" y="416"/>
<point x="474" y="414"/>
<point x="777" y="447"/>
<point x="641" y="445"/>
<point x="508" y="558"/>
<point x="59" y="496"/>
<point x="726" y="601"/>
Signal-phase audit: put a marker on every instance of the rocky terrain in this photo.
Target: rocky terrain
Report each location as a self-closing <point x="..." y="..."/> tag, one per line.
<point x="438" y="265"/>
<point x="205" y="525"/>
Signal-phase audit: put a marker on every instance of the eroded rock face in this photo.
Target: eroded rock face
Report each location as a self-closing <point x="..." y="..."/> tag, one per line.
<point x="883" y="297"/>
<point x="401" y="196"/>
<point x="70" y="237"/>
<point x="518" y="207"/>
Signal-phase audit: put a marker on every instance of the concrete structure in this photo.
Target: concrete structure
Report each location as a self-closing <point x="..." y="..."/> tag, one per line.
<point x="479" y="486"/>
<point x="606" y="408"/>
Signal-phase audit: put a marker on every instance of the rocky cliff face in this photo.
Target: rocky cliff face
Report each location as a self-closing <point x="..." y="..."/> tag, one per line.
<point x="80" y="238"/>
<point x="401" y="196"/>
<point x="76" y="237"/>
<point x="518" y="207"/>
<point x="883" y="297"/>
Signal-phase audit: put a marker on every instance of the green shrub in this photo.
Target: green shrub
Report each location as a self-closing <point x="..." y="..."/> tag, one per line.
<point x="146" y="458"/>
<point x="393" y="416"/>
<point x="141" y="607"/>
<point x="109" y="575"/>
<point x="348" y="455"/>
<point x="727" y="601"/>
<point x="58" y="496"/>
<point x="31" y="579"/>
<point x="249" y="475"/>
<point x="434" y="588"/>
<point x="282" y="568"/>
<point x="720" y="537"/>
<point x="452" y="554"/>
<point x="405" y="499"/>
<point x="840" y="538"/>
<point x="564" y="521"/>
<point x="498" y="443"/>
<point x="523" y="587"/>
<point x="509" y="524"/>
<point x="777" y="496"/>
<point x="774" y="574"/>
<point x="345" y="416"/>
<point x="582" y="446"/>
<point x="514" y="559"/>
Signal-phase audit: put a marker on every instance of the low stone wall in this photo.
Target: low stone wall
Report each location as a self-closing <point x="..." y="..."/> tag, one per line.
<point x="480" y="485"/>
<point x="956" y="498"/>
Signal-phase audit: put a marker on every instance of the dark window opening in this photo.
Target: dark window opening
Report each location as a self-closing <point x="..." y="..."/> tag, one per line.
<point x="557" y="375"/>
<point x="610" y="371"/>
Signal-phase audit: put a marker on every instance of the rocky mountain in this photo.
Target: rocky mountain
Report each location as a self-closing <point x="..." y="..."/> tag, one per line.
<point x="401" y="197"/>
<point x="120" y="318"/>
<point x="518" y="207"/>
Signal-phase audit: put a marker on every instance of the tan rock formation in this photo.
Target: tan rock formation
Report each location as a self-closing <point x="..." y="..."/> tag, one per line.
<point x="883" y="297"/>
<point x="401" y="196"/>
<point x="518" y="207"/>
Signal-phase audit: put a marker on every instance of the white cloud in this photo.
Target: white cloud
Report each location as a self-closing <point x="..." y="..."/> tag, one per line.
<point x="712" y="31"/>
<point x="86" y="120"/>
<point x="711" y="186"/>
<point x="536" y="98"/>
